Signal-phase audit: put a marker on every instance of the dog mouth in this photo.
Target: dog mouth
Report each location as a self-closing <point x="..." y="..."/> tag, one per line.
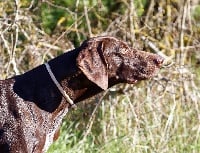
<point x="131" y="81"/>
<point x="140" y="69"/>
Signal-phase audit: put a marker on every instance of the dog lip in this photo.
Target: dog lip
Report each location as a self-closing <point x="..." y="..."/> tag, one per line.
<point x="132" y="81"/>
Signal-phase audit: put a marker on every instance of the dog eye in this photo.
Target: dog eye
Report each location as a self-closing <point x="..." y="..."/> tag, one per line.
<point x="123" y="50"/>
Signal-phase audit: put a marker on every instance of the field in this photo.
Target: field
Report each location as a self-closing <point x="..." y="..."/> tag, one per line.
<point x="160" y="115"/>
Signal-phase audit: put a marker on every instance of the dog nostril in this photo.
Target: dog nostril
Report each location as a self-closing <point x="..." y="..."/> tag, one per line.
<point x="158" y="60"/>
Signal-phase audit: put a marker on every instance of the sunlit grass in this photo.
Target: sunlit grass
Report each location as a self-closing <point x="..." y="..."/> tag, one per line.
<point x="159" y="115"/>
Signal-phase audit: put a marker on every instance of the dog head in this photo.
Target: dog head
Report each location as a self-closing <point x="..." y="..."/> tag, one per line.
<point x="105" y="58"/>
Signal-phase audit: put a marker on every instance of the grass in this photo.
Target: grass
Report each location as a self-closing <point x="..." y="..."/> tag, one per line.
<point x="159" y="115"/>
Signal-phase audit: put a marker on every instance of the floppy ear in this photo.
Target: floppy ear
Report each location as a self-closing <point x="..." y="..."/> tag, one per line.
<point x="92" y="63"/>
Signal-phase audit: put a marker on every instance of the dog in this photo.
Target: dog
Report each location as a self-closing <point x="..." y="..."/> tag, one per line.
<point x="32" y="105"/>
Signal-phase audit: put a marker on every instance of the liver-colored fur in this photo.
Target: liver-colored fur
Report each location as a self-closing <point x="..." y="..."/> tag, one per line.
<point x="31" y="106"/>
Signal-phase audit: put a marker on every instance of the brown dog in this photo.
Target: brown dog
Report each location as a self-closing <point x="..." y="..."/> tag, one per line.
<point x="32" y="106"/>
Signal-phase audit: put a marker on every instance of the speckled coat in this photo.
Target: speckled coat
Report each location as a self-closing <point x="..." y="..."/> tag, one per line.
<point x="31" y="106"/>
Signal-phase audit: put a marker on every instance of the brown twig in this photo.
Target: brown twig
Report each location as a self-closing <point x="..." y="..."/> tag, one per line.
<point x="87" y="19"/>
<point x="92" y="118"/>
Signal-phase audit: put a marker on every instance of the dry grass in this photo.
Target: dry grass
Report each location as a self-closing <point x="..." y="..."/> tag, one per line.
<point x="158" y="115"/>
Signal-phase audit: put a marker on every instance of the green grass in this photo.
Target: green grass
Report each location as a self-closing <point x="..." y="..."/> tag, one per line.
<point x="161" y="115"/>
<point x="149" y="117"/>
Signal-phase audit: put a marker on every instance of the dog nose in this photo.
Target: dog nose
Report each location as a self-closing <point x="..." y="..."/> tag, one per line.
<point x="158" y="60"/>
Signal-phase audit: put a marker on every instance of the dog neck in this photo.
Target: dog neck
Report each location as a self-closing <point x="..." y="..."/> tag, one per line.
<point x="36" y="85"/>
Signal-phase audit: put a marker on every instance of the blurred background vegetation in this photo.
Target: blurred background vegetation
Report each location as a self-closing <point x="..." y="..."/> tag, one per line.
<point x="159" y="115"/>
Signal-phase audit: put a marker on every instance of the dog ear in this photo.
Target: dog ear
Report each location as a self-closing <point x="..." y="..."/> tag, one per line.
<point x="92" y="63"/>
